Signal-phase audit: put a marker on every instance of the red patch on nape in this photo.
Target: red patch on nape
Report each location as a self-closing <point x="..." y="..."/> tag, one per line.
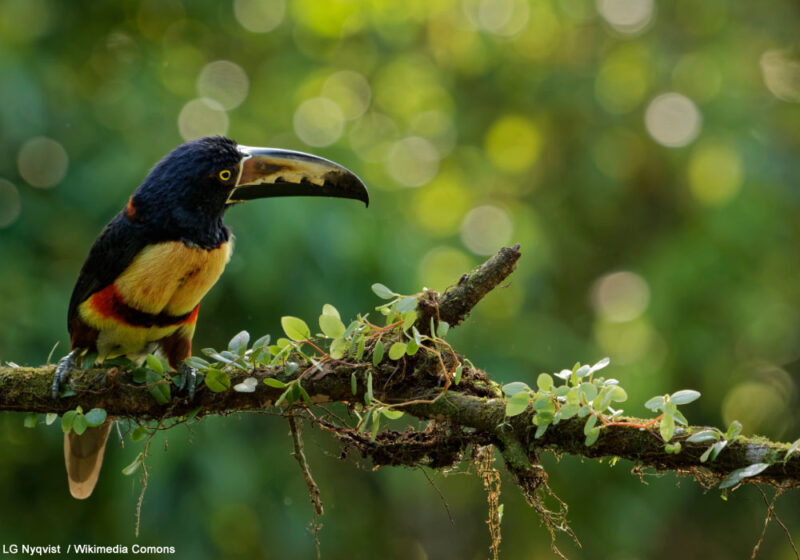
<point x="130" y="209"/>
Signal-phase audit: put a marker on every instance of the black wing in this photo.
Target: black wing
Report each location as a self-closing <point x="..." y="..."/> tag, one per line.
<point x="118" y="244"/>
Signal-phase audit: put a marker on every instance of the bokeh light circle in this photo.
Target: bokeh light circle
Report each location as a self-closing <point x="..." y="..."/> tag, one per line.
<point x="715" y="173"/>
<point x="10" y="205"/>
<point x="202" y="117"/>
<point x="627" y="16"/>
<point x="673" y="120"/>
<point x="42" y="162"/>
<point x="318" y="122"/>
<point x="781" y="73"/>
<point x="620" y="296"/>
<point x="350" y="91"/>
<point x="486" y="229"/>
<point x="225" y="82"/>
<point x="413" y="161"/>
<point x="259" y="16"/>
<point x="513" y="143"/>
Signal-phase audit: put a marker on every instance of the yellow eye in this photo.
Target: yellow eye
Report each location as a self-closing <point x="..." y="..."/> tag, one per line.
<point x="225" y="174"/>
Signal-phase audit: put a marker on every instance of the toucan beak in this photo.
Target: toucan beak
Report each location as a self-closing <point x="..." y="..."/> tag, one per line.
<point x="267" y="172"/>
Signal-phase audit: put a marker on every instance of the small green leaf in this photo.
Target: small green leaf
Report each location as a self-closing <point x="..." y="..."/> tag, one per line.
<point x="588" y="390"/>
<point x="238" y="344"/>
<point x="666" y="427"/>
<point x="412" y="347"/>
<point x="139" y="433"/>
<point x="158" y="387"/>
<point x="406" y="304"/>
<point x="792" y="448"/>
<point x="590" y="422"/>
<point x="601" y="364"/>
<point x="459" y="372"/>
<point x="540" y="430"/>
<point x="706" y="453"/>
<point x="517" y="403"/>
<point x="673" y="448"/>
<point x="272" y="382"/>
<point x="328" y="309"/>
<point x="197" y="363"/>
<point x="543" y="401"/>
<point x="262" y="342"/>
<point x="50" y="417"/>
<point x="734" y="430"/>
<point x="353" y="383"/>
<point x="377" y="353"/>
<point x="338" y="347"/>
<point x="740" y="474"/>
<point x="656" y="403"/>
<point x="684" y="397"/>
<point x="368" y="397"/>
<point x="376" y="422"/>
<point x="331" y="326"/>
<point x="569" y="410"/>
<point x="248" y="385"/>
<point x="511" y="389"/>
<point x="284" y="395"/>
<point x="31" y="419"/>
<point x="218" y="381"/>
<point x="543" y="418"/>
<point x="442" y="329"/>
<point x="155" y="364"/>
<point x="544" y="382"/>
<point x="362" y="340"/>
<point x="67" y="421"/>
<point x="703" y="436"/>
<point x="96" y="416"/>
<point x="409" y="318"/>
<point x="295" y="328"/>
<point x="618" y="394"/>
<point x="79" y="424"/>
<point x="397" y="350"/>
<point x="134" y="466"/>
<point x="592" y="436"/>
<point x="583" y="371"/>
<point x="391" y="413"/>
<point x="304" y="394"/>
<point x="382" y="291"/>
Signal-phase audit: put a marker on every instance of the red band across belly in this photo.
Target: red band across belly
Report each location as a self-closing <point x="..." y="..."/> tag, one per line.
<point x="108" y="302"/>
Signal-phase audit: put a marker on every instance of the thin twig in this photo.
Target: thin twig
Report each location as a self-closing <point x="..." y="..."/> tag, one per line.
<point x="313" y="489"/>
<point x="770" y="514"/>
<point x="438" y="491"/>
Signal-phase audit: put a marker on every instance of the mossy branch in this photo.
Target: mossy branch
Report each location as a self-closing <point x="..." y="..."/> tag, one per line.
<point x="472" y="413"/>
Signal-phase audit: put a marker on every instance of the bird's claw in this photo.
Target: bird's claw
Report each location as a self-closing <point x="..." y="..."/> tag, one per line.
<point x="63" y="368"/>
<point x="188" y="380"/>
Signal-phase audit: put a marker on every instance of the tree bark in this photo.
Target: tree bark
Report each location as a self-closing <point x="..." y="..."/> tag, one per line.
<point x="470" y="413"/>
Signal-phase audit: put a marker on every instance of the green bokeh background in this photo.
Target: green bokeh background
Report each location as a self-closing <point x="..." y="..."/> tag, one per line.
<point x="475" y="123"/>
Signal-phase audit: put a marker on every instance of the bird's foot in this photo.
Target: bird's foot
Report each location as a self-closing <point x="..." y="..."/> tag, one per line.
<point x="63" y="368"/>
<point x="188" y="380"/>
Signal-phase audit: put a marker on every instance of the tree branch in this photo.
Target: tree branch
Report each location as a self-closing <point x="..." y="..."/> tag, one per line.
<point x="468" y="414"/>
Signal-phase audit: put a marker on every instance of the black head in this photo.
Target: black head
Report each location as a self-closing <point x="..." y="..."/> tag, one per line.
<point x="188" y="191"/>
<point x="196" y="178"/>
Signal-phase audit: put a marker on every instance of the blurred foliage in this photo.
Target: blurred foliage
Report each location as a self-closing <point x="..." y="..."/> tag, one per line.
<point x="643" y="154"/>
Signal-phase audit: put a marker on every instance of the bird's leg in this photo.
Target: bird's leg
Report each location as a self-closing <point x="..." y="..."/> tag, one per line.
<point x="64" y="366"/>
<point x="188" y="379"/>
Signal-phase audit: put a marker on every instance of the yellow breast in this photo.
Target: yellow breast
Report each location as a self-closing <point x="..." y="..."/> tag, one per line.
<point x="172" y="277"/>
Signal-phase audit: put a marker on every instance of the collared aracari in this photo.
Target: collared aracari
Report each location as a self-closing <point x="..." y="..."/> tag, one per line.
<point x="140" y="288"/>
